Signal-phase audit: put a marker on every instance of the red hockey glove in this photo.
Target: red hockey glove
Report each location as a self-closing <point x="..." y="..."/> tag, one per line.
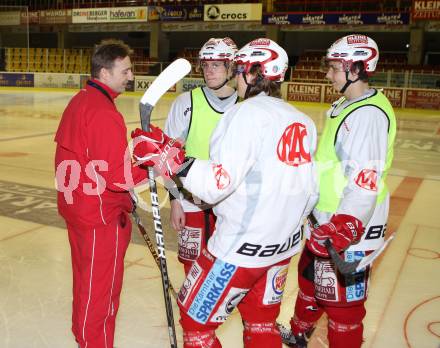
<point x="342" y="230"/>
<point x="156" y="149"/>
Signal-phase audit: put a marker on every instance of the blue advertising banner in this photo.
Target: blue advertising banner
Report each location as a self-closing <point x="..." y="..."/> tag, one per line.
<point x="189" y="84"/>
<point x="176" y="13"/>
<point x="389" y="18"/>
<point x="16" y="80"/>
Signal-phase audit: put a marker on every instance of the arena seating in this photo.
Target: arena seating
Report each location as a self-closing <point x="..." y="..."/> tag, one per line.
<point x="48" y="60"/>
<point x="392" y="68"/>
<point x="308" y="66"/>
<point x="341" y="5"/>
<point x="57" y="60"/>
<point x="192" y="55"/>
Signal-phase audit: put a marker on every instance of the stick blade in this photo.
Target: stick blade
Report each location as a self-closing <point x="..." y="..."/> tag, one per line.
<point x="167" y="78"/>
<point x="368" y="260"/>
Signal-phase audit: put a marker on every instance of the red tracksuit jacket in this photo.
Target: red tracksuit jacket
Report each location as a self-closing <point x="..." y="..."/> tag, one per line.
<point x="90" y="158"/>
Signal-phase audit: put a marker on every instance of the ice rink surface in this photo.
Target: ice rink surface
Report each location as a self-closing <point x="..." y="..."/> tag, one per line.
<point x="403" y="309"/>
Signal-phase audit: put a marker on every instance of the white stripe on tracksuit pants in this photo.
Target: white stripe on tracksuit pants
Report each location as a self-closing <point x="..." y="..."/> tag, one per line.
<point x="98" y="266"/>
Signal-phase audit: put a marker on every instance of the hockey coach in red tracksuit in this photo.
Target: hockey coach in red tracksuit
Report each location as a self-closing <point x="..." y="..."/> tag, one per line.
<point x="93" y="174"/>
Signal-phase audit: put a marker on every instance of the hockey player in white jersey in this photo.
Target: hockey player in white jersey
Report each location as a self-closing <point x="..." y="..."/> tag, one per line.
<point x="354" y="154"/>
<point x="260" y="178"/>
<point x="192" y="118"/>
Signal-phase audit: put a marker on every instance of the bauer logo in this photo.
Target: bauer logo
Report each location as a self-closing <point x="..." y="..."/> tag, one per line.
<point x="292" y="147"/>
<point x="215" y="283"/>
<point x="367" y="179"/>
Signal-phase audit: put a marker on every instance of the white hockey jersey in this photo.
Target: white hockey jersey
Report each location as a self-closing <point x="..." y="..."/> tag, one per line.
<point x="261" y="177"/>
<point x="361" y="142"/>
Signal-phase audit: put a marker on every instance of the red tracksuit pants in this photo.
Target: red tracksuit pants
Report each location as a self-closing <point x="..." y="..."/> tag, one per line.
<point x="98" y="267"/>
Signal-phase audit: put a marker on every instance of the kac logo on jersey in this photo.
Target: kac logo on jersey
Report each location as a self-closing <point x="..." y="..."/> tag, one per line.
<point x="367" y="179"/>
<point x="221" y="176"/>
<point x="292" y="147"/>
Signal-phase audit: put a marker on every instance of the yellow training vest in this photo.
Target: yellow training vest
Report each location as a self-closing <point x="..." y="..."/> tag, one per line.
<point x="204" y="119"/>
<point x="331" y="178"/>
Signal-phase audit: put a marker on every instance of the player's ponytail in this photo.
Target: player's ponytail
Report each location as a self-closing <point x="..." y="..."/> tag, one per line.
<point x="262" y="84"/>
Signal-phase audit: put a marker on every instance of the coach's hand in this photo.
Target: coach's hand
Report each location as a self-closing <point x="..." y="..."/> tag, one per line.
<point x="156" y="149"/>
<point x="342" y="230"/>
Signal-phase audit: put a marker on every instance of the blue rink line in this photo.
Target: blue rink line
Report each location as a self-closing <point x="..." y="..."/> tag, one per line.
<point x="30" y="136"/>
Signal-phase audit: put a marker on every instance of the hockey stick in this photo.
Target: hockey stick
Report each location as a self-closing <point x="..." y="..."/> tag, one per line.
<point x="150" y="246"/>
<point x="347" y="267"/>
<point x="167" y="78"/>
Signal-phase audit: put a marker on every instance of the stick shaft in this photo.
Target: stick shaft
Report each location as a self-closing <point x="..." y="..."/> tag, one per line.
<point x="162" y="259"/>
<point x="145" y="113"/>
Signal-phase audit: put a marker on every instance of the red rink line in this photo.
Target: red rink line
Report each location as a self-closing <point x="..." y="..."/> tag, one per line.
<point x="405" y="329"/>
<point x="431" y="330"/>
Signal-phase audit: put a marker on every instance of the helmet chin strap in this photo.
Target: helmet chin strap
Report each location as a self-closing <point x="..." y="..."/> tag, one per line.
<point x="348" y="83"/>
<point x="220" y="86"/>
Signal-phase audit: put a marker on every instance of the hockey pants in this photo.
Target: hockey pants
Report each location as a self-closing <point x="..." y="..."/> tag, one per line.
<point x="345" y="327"/>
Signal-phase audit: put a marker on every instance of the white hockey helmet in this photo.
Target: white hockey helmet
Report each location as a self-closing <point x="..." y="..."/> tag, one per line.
<point x="355" y="48"/>
<point x="218" y="49"/>
<point x="268" y="54"/>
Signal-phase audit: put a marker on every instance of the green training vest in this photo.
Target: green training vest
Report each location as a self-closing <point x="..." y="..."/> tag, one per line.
<point x="331" y="178"/>
<point x="204" y="119"/>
